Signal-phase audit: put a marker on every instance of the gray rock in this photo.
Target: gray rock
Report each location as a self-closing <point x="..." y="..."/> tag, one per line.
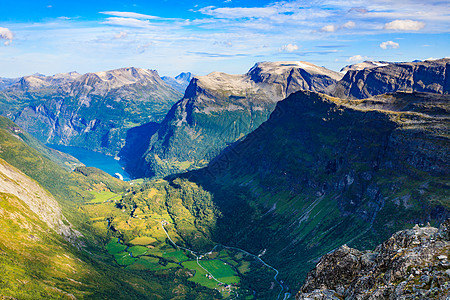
<point x="392" y="271"/>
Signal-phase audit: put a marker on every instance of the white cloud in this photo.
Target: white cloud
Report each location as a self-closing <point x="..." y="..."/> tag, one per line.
<point x="329" y="28"/>
<point x="359" y="10"/>
<point x="121" y="35"/>
<point x="6" y="34"/>
<point x="406" y="25"/>
<point x="227" y="44"/>
<point x="389" y="44"/>
<point x="238" y="12"/>
<point x="126" y="14"/>
<point x="288" y="48"/>
<point x="348" y="25"/>
<point x="357" y="58"/>
<point x="127" y="22"/>
<point x="333" y="28"/>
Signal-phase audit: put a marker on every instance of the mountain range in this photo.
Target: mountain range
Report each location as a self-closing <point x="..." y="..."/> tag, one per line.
<point x="258" y="181"/>
<point x="93" y="111"/>
<point x="217" y="110"/>
<point x="427" y="76"/>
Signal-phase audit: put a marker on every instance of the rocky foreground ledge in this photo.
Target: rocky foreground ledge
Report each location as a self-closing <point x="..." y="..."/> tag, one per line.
<point x="412" y="264"/>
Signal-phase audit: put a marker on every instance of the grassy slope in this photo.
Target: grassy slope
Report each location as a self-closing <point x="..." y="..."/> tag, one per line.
<point x="39" y="264"/>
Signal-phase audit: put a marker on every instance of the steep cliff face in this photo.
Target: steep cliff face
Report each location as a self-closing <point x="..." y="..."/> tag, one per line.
<point x="323" y="171"/>
<point x="427" y="76"/>
<point x="412" y="264"/>
<point x="219" y="109"/>
<point x="93" y="110"/>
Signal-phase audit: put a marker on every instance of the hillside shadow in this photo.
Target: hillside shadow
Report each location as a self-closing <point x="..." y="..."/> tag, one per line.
<point x="136" y="143"/>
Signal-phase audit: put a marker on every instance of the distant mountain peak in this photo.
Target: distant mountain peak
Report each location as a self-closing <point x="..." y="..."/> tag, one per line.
<point x="280" y="67"/>
<point x="183" y="76"/>
<point x="368" y="64"/>
<point x="180" y="82"/>
<point x="38" y="75"/>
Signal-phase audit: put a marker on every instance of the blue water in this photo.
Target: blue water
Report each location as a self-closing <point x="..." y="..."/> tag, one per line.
<point x="94" y="159"/>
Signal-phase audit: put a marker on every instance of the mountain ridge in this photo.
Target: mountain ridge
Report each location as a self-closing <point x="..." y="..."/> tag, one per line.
<point x="220" y="108"/>
<point x="424" y="76"/>
<point x="93" y="110"/>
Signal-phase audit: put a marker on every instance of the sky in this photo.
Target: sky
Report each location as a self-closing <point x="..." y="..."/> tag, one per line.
<point x="55" y="36"/>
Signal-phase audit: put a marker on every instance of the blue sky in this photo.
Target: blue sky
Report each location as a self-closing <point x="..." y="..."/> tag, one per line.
<point x="52" y="37"/>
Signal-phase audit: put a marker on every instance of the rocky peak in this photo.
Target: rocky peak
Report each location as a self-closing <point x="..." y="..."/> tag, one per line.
<point x="31" y="82"/>
<point x="267" y="81"/>
<point x="294" y="76"/>
<point x="262" y="69"/>
<point x="39" y="81"/>
<point x="413" y="263"/>
<point x="368" y="64"/>
<point x="114" y="79"/>
<point x="427" y="76"/>
<point x="6" y="82"/>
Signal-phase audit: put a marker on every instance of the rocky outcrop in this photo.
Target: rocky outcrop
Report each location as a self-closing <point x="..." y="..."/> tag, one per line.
<point x="428" y="76"/>
<point x="180" y="82"/>
<point x="412" y="264"/>
<point x="93" y="110"/>
<point x="219" y="109"/>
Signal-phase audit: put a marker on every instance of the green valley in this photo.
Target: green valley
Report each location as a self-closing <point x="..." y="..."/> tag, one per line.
<point x="160" y="225"/>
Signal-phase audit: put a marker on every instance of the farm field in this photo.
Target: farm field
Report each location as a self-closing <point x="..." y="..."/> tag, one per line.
<point x="143" y="233"/>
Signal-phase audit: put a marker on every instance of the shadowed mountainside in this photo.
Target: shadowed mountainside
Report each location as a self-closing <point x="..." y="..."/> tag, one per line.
<point x="323" y="171"/>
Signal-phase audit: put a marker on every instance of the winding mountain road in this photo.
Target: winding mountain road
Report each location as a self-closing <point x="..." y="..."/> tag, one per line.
<point x="286" y="295"/>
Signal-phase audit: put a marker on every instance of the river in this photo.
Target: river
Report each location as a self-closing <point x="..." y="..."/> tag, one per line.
<point x="94" y="159"/>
